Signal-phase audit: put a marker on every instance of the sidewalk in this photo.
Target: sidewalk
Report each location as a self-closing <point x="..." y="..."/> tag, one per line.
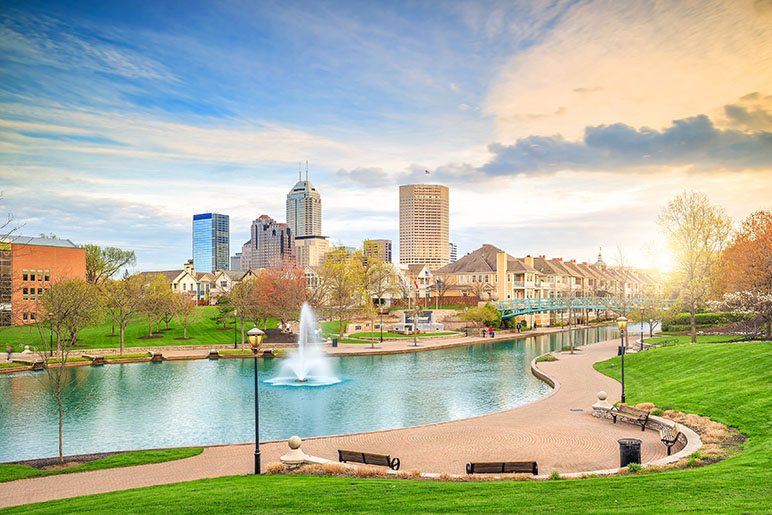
<point x="549" y="431"/>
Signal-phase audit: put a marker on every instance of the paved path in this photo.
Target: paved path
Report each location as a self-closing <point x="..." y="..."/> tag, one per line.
<point x="546" y="431"/>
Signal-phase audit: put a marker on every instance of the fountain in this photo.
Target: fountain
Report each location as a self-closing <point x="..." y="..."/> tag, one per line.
<point x="308" y="365"/>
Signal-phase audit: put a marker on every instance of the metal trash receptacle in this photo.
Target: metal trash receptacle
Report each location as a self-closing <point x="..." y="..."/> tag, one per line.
<point x="334" y="342"/>
<point x="629" y="451"/>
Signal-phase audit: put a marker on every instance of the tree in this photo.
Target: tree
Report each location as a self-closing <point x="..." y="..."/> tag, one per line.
<point x="155" y="300"/>
<point x="696" y="232"/>
<point x="249" y="303"/>
<point x="61" y="383"/>
<point x="224" y="311"/>
<point x="185" y="311"/>
<point x="69" y="304"/>
<point x="380" y="280"/>
<point x="123" y="301"/>
<point x="746" y="263"/>
<point x="443" y="285"/>
<point x="758" y="303"/>
<point x="284" y="291"/>
<point x="342" y="272"/>
<point x="481" y="315"/>
<point x="103" y="263"/>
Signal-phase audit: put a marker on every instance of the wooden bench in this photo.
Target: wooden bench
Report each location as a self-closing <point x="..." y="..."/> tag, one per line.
<point x="155" y="356"/>
<point x="669" y="436"/>
<point x="368" y="458"/>
<point x="503" y="467"/>
<point x="636" y="415"/>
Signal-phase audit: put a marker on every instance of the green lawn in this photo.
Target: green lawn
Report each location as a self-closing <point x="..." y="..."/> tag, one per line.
<point x="682" y="339"/>
<point x="332" y="327"/>
<point x="728" y="382"/>
<point x="203" y="332"/>
<point x="126" y="459"/>
<point x="377" y="334"/>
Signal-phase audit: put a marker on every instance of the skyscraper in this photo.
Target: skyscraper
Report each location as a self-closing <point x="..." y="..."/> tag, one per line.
<point x="453" y="252"/>
<point x="304" y="209"/>
<point x="379" y="249"/>
<point x="211" y="242"/>
<point x="271" y="246"/>
<point x="423" y="225"/>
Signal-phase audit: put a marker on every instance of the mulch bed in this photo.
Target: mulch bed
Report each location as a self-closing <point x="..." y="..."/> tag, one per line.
<point x="181" y="338"/>
<point x="276" y="336"/>
<point x="155" y="336"/>
<point x="69" y="461"/>
<point x="225" y="329"/>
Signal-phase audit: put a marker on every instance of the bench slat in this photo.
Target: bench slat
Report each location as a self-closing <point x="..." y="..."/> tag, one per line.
<point x="368" y="458"/>
<point x="503" y="467"/>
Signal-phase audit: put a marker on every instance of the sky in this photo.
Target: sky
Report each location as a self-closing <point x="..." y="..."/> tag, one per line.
<point x="560" y="127"/>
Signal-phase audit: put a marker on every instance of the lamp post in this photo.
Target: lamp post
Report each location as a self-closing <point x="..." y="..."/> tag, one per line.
<point x="381" y="313"/>
<point x="622" y="324"/>
<point x="641" y="327"/>
<point x="255" y="339"/>
<point x="235" y="333"/>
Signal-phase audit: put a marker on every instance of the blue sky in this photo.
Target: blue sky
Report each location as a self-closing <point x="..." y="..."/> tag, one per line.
<point x="559" y="126"/>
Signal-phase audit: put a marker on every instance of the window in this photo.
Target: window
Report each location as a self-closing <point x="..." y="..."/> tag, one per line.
<point x="224" y="284"/>
<point x="40" y="275"/>
<point x="31" y="275"/>
<point x="24" y="316"/>
<point x="32" y="294"/>
<point x="32" y="316"/>
<point x="40" y="292"/>
<point x="24" y="275"/>
<point x="48" y="275"/>
<point x="184" y="286"/>
<point x="25" y="293"/>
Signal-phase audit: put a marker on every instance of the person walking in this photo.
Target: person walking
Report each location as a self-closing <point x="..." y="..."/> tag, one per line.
<point x="9" y="350"/>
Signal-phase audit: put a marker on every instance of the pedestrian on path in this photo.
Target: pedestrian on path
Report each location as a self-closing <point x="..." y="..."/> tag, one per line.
<point x="9" y="350"/>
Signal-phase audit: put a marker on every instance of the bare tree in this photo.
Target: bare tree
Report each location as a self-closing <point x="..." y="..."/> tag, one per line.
<point x="68" y="304"/>
<point x="186" y="311"/>
<point x="156" y="297"/>
<point x="380" y="280"/>
<point x="123" y="301"/>
<point x="696" y="231"/>
<point x="104" y="262"/>
<point x="443" y="285"/>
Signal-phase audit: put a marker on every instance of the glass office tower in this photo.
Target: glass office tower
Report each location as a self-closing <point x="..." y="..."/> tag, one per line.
<point x="211" y="242"/>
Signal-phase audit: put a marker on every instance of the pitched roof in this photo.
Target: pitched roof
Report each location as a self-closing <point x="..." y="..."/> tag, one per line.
<point x="484" y="260"/>
<point x="544" y="266"/>
<point x="169" y="274"/>
<point x="235" y="275"/>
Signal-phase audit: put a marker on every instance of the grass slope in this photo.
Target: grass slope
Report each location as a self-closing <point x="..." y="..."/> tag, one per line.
<point x="203" y="332"/>
<point x="728" y="382"/>
<point x="126" y="459"/>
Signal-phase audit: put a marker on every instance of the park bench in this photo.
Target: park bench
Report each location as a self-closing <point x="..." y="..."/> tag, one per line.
<point x="213" y="354"/>
<point x="155" y="356"/>
<point x="503" y="467"/>
<point x="669" y="436"/>
<point x="368" y="458"/>
<point x="635" y="415"/>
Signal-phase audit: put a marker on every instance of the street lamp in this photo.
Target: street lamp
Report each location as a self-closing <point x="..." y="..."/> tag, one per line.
<point x="641" y="327"/>
<point x="622" y="324"/>
<point x="255" y="339"/>
<point x="381" y="312"/>
<point x="235" y="334"/>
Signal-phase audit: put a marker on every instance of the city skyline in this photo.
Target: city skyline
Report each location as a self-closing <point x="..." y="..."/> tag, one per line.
<point x="555" y="134"/>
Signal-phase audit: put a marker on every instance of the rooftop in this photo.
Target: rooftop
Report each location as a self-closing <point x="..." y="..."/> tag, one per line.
<point x="41" y="241"/>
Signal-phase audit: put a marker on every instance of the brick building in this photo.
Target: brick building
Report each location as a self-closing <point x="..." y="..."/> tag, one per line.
<point x="28" y="266"/>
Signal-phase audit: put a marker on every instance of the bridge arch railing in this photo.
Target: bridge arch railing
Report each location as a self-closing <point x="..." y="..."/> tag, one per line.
<point x="515" y="307"/>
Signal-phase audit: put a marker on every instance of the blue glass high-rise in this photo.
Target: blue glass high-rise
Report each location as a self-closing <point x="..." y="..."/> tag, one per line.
<point x="211" y="242"/>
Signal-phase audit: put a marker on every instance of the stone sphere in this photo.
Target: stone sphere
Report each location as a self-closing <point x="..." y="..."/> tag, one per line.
<point x="494" y="296"/>
<point x="602" y="395"/>
<point x="294" y="442"/>
<point x="484" y="296"/>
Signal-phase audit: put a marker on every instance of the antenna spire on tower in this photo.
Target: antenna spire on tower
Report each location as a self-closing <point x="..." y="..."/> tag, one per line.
<point x="306" y="170"/>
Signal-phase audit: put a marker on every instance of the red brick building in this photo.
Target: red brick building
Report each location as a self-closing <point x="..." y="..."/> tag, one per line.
<point x="28" y="266"/>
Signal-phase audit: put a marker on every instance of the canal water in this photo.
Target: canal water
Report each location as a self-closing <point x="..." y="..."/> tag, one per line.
<point x="201" y="402"/>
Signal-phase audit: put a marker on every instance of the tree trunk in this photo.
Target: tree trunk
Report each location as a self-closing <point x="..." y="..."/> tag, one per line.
<point x="372" y="329"/>
<point x="149" y="326"/>
<point x="61" y="454"/>
<point x="242" y="330"/>
<point x="123" y="330"/>
<point x="693" y="322"/>
<point x="185" y="331"/>
<point x="113" y="333"/>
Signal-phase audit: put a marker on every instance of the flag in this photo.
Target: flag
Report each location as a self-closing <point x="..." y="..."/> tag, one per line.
<point x="427" y="172"/>
<point x="416" y="284"/>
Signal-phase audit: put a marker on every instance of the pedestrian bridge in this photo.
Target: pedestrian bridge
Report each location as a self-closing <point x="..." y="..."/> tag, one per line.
<point x="515" y="307"/>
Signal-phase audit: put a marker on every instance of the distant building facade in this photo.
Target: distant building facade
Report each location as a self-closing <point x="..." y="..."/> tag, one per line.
<point x="379" y="249"/>
<point x="211" y="242"/>
<point x="304" y="209"/>
<point x="310" y="250"/>
<point x="235" y="262"/>
<point x="28" y="267"/>
<point x="453" y="252"/>
<point x="424" y="225"/>
<point x="272" y="245"/>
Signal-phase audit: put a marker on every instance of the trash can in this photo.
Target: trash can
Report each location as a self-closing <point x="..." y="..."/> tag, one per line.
<point x="334" y="342"/>
<point x="629" y="451"/>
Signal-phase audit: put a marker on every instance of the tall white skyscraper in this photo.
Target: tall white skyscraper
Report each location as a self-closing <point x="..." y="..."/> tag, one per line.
<point x="423" y="225"/>
<point x="304" y="209"/>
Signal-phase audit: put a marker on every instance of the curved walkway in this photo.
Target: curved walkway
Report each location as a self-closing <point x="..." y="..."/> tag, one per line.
<point x="549" y="431"/>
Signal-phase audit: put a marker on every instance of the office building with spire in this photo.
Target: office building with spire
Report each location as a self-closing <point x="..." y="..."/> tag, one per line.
<point x="304" y="218"/>
<point x="423" y="225"/>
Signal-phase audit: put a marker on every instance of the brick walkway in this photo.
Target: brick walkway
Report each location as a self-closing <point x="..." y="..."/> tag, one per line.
<point x="546" y="431"/>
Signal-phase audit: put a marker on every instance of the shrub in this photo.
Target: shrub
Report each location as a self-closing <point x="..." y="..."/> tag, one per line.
<point x="634" y="467"/>
<point x="274" y="468"/>
<point x="555" y="475"/>
<point x="546" y="357"/>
